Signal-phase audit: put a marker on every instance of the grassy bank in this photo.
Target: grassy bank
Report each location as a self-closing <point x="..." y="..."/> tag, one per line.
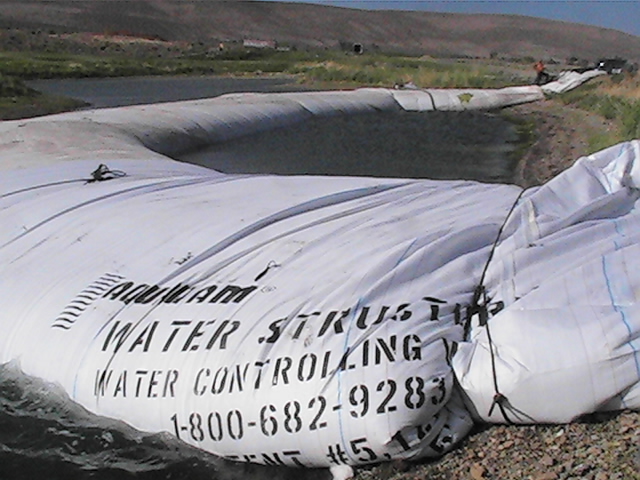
<point x="384" y="71"/>
<point x="615" y="98"/>
<point x="335" y="68"/>
<point x="19" y="101"/>
<point x="52" y="65"/>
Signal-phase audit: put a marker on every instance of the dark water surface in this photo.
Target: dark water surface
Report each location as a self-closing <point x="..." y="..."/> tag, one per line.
<point x="437" y="145"/>
<point x="118" y="92"/>
<point x="46" y="436"/>
<point x="43" y="435"/>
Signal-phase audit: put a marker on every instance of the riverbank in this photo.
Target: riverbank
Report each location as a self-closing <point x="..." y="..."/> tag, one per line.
<point x="558" y="136"/>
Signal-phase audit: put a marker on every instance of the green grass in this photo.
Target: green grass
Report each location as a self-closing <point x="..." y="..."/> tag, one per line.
<point x="311" y="67"/>
<point x="385" y="71"/>
<point x="19" y="101"/>
<point x="43" y="65"/>
<point x="623" y="111"/>
<point x="46" y="65"/>
<point x="14" y="87"/>
<point x="525" y="128"/>
<point x="18" y="107"/>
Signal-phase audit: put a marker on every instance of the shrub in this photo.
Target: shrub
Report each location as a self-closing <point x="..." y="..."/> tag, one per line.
<point x="13" y="87"/>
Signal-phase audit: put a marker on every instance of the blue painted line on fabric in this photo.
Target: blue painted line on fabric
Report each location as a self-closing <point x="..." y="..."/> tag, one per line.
<point x="629" y="291"/>
<point x="621" y="311"/>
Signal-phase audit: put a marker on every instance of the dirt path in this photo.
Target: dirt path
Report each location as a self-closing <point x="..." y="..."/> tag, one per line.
<point x="561" y="136"/>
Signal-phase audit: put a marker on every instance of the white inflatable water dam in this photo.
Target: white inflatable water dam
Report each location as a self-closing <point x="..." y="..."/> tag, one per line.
<point x="312" y="321"/>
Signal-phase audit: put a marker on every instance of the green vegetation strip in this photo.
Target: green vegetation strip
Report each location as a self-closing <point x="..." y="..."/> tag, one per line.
<point x="335" y="67"/>
<point x="17" y="101"/>
<point x="623" y="111"/>
<point x="385" y="71"/>
<point x="44" y="66"/>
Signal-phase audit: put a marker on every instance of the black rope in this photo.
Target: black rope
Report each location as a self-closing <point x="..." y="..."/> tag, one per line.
<point x="499" y="398"/>
<point x="495" y="243"/>
<point x="103" y="173"/>
<point x="270" y="265"/>
<point x="479" y="306"/>
<point x="100" y="174"/>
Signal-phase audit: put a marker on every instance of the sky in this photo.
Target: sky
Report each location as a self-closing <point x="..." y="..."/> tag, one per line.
<point x="623" y="15"/>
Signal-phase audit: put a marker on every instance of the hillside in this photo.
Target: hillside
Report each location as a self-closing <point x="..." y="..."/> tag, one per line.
<point x="305" y="25"/>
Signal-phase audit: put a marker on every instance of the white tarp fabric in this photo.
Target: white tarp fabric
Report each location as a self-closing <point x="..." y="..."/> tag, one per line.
<point x="455" y="100"/>
<point x="569" y="80"/>
<point x="309" y="321"/>
<point x="568" y="339"/>
<point x="302" y="319"/>
<point x="326" y="315"/>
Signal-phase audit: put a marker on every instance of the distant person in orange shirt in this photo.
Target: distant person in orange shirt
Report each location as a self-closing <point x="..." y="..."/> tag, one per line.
<point x="542" y="76"/>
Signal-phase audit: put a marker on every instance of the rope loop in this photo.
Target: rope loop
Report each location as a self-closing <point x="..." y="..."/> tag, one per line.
<point x="479" y="306"/>
<point x="103" y="173"/>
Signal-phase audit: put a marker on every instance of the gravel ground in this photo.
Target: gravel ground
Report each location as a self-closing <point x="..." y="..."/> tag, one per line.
<point x="602" y="446"/>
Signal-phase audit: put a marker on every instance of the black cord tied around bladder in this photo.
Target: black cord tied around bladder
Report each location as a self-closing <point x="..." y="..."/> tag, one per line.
<point x="479" y="307"/>
<point x="103" y="173"/>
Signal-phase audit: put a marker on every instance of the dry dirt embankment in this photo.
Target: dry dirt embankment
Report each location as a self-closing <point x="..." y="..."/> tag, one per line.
<point x="561" y="136"/>
<point x="604" y="447"/>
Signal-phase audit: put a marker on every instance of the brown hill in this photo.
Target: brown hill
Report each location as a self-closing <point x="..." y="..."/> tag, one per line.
<point x="307" y="25"/>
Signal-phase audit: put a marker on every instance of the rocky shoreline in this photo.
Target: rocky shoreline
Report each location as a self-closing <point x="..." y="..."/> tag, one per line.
<point x="600" y="447"/>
